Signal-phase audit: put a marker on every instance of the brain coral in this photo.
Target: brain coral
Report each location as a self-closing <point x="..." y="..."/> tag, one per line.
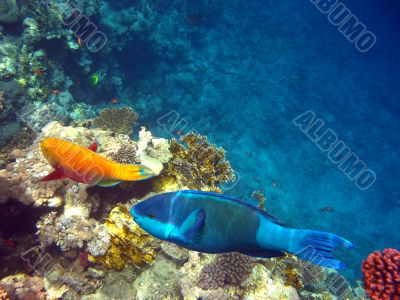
<point x="117" y="120"/>
<point x="228" y="268"/>
<point x="381" y="275"/>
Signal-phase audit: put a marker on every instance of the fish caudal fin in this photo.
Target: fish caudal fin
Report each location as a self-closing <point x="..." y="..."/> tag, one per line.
<point x="141" y="172"/>
<point x="317" y="247"/>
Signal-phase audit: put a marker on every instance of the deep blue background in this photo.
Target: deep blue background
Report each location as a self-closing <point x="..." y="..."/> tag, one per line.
<point x="252" y="69"/>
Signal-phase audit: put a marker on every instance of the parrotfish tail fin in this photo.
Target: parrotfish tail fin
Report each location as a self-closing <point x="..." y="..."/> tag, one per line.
<point x="317" y="247"/>
<point x="141" y="172"/>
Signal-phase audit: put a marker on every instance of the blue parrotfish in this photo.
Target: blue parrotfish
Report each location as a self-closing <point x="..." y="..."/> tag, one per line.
<point x="216" y="223"/>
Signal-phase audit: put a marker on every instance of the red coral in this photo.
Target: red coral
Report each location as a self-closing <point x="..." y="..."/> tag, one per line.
<point x="381" y="275"/>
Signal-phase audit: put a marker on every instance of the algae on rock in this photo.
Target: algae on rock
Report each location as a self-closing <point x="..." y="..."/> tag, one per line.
<point x="129" y="243"/>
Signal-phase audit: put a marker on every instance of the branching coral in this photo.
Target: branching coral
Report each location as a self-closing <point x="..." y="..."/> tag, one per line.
<point x="126" y="154"/>
<point x="24" y="185"/>
<point x="117" y="120"/>
<point x="260" y="197"/>
<point x="73" y="231"/>
<point x="198" y="164"/>
<point x="228" y="268"/>
<point x="129" y="243"/>
<point x="310" y="280"/>
<point x="288" y="268"/>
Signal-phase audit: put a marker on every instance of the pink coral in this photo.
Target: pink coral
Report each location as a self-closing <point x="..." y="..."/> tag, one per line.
<point x="381" y="275"/>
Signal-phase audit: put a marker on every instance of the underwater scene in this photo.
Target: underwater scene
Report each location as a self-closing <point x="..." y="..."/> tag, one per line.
<point x="181" y="149"/>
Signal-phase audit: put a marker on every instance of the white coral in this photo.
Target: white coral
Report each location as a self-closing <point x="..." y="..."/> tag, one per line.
<point x="152" y="152"/>
<point x="72" y="231"/>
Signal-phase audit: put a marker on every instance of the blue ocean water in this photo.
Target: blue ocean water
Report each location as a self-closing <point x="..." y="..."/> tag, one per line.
<point x="254" y="66"/>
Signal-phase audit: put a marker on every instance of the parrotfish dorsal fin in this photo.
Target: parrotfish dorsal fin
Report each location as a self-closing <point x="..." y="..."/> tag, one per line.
<point x="55" y="175"/>
<point x="234" y="200"/>
<point x="190" y="230"/>
<point x="93" y="147"/>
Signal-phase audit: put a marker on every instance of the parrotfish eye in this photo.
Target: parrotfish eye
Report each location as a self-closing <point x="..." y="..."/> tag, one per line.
<point x="152" y="216"/>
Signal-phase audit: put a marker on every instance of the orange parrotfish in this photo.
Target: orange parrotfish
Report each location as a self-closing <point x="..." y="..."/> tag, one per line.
<point x="84" y="165"/>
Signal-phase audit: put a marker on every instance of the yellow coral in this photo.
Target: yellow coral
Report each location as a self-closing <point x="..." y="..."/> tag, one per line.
<point x="3" y="294"/>
<point x="129" y="243"/>
<point x="260" y="197"/>
<point x="288" y="268"/>
<point x="293" y="278"/>
<point x="196" y="165"/>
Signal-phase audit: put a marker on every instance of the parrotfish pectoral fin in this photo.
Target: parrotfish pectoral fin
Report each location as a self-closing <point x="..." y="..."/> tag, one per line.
<point x="190" y="230"/>
<point x="108" y="183"/>
<point x="317" y="247"/>
<point x="93" y="147"/>
<point x="55" y="175"/>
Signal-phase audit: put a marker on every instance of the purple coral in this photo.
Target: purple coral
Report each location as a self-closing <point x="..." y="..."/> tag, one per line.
<point x="228" y="268"/>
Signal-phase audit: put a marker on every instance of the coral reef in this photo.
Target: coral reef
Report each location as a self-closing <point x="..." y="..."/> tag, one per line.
<point x="22" y="286"/>
<point x="1" y="101"/>
<point x="9" y="11"/>
<point x="3" y="294"/>
<point x="93" y="249"/>
<point x="126" y="154"/>
<point x="72" y="231"/>
<point x="258" y="285"/>
<point x="228" y="268"/>
<point x="12" y="93"/>
<point x="260" y="197"/>
<point x="69" y="283"/>
<point x="381" y="274"/>
<point x="152" y="152"/>
<point x="162" y="55"/>
<point x="20" y="180"/>
<point x="11" y="100"/>
<point x="60" y="107"/>
<point x="198" y="164"/>
<point x="129" y="243"/>
<point x="117" y="120"/>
